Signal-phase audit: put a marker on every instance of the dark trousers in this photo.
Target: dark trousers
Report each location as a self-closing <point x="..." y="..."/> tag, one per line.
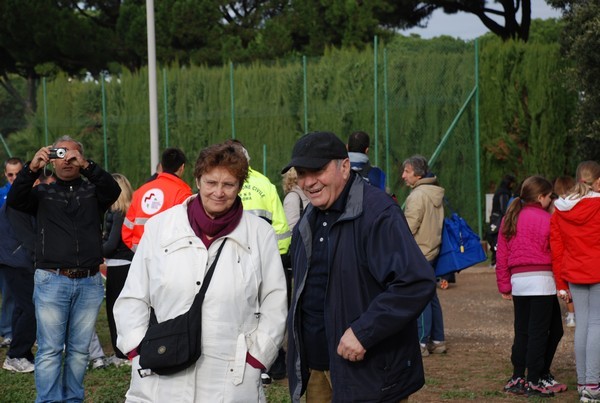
<point x="20" y="282"/>
<point x="538" y="330"/>
<point x="115" y="280"/>
<point x="492" y="240"/>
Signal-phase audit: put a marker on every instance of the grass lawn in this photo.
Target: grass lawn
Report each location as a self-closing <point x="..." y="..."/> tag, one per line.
<point x="106" y="385"/>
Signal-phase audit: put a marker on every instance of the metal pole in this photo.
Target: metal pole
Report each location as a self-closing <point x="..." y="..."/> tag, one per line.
<point x="5" y="146"/>
<point x="305" y="94"/>
<point x="45" y="111"/>
<point x="387" y="117"/>
<point x="232" y="94"/>
<point x="166" y="102"/>
<point x="446" y="135"/>
<point x="375" y="109"/>
<point x="152" y="91"/>
<point x="104" y="129"/>
<point x="477" y="142"/>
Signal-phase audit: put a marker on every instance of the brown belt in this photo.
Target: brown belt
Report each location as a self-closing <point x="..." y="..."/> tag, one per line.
<point x="75" y="273"/>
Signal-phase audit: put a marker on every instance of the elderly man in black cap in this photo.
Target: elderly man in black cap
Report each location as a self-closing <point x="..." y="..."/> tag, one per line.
<point x="360" y="282"/>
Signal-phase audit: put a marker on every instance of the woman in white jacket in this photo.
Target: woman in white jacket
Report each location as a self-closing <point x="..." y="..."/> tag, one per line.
<point x="244" y="311"/>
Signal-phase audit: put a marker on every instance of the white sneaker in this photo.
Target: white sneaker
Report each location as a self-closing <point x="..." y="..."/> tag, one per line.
<point x="265" y="378"/>
<point x="570" y="321"/>
<point x="590" y="394"/>
<point x="6" y="342"/>
<point x="117" y="362"/>
<point x="437" y="347"/>
<point x="22" y="365"/>
<point x="98" y="363"/>
<point x="424" y="350"/>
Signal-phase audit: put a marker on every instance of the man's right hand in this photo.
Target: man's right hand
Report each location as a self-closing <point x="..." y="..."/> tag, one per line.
<point x="40" y="159"/>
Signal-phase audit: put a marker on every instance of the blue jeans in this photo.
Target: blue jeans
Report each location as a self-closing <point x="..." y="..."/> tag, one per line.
<point x="66" y="311"/>
<point x="8" y="305"/>
<point x="431" y="322"/>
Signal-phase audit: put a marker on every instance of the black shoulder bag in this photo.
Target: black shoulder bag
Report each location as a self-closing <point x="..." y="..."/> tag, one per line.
<point x="175" y="344"/>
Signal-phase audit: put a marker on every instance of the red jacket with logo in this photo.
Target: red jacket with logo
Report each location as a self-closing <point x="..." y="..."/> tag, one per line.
<point x="575" y="241"/>
<point x="150" y="199"/>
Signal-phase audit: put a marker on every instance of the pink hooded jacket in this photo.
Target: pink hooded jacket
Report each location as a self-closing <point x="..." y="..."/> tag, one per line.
<point x="528" y="250"/>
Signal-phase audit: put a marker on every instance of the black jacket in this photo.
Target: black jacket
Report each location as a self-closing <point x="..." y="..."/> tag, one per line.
<point x="68" y="215"/>
<point x="113" y="246"/>
<point x="379" y="282"/>
<point x="500" y="200"/>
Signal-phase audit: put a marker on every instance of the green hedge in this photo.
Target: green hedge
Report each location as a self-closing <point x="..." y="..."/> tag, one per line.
<point x="524" y="111"/>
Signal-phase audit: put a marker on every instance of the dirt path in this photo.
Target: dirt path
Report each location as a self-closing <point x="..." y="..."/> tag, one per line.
<point x="479" y="334"/>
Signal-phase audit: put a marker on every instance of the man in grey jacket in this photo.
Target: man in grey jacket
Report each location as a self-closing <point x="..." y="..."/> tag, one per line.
<point x="424" y="212"/>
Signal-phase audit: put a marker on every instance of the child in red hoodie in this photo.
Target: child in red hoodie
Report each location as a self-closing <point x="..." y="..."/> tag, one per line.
<point x="575" y="243"/>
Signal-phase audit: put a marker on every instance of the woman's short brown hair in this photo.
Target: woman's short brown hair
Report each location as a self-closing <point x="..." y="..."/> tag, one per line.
<point x="228" y="155"/>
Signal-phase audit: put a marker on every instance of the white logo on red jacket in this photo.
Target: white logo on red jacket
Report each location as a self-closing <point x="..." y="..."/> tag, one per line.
<point x="152" y="201"/>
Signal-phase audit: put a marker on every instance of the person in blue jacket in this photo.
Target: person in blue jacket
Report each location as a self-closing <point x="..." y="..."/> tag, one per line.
<point x="358" y="150"/>
<point x="12" y="166"/>
<point x="360" y="282"/>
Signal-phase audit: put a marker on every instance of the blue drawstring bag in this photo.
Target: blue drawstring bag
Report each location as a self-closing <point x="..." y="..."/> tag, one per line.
<point x="461" y="247"/>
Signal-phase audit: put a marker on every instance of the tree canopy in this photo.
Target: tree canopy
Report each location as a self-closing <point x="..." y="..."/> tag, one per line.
<point x="580" y="41"/>
<point x="38" y="38"/>
<point x="487" y="11"/>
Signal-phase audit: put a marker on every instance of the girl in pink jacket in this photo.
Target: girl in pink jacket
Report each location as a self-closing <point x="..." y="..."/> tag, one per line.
<point x="524" y="275"/>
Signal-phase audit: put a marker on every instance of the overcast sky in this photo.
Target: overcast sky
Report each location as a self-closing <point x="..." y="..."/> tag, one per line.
<point x="468" y="26"/>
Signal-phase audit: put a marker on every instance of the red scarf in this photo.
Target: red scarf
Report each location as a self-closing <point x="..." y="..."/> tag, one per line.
<point x="205" y="227"/>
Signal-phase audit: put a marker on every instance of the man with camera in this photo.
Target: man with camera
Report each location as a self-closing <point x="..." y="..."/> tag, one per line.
<point x="68" y="288"/>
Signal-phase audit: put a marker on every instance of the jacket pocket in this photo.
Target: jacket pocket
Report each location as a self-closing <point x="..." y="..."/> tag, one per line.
<point x="179" y="244"/>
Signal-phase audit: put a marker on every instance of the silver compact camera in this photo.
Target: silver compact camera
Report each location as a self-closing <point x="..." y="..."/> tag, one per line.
<point x="57" y="153"/>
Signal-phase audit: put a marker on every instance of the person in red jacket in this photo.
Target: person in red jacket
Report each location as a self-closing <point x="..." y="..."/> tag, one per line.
<point x="167" y="190"/>
<point x="575" y="245"/>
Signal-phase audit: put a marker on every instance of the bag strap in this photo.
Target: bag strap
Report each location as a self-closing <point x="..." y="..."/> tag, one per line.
<point x="300" y="198"/>
<point x="199" y="298"/>
<point x="447" y="203"/>
<point x="211" y="270"/>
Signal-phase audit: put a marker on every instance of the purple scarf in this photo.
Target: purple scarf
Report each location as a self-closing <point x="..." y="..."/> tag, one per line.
<point x="205" y="227"/>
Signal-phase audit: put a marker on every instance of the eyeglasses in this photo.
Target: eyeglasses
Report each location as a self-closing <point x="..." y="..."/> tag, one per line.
<point x="10" y="175"/>
<point x="227" y="187"/>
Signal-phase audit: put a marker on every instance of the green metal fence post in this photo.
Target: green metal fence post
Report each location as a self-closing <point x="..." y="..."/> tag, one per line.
<point x="387" y="117"/>
<point x="166" y="105"/>
<point x="104" y="128"/>
<point x="5" y="146"/>
<point x="477" y="141"/>
<point x="264" y="160"/>
<point x="375" y="109"/>
<point x="45" y="111"/>
<point x="305" y="77"/>
<point x="231" y="90"/>
<point x="446" y="135"/>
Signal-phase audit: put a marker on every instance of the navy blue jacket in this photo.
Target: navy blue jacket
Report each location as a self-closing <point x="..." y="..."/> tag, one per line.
<point x="14" y="249"/>
<point x="379" y="283"/>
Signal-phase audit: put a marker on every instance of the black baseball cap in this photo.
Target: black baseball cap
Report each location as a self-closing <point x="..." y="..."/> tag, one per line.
<point x="314" y="150"/>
